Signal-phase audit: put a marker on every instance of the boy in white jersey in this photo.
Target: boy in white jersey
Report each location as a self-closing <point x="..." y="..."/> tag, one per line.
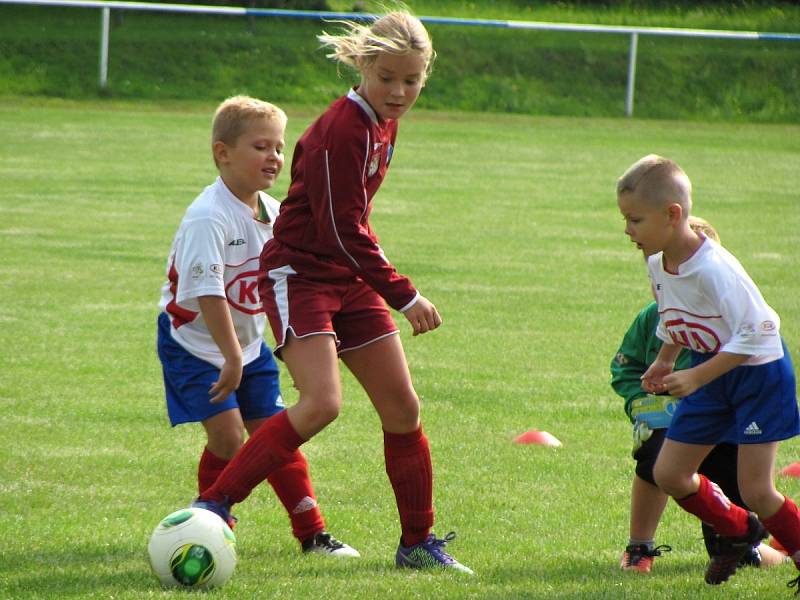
<point x="740" y="386"/>
<point x="217" y="368"/>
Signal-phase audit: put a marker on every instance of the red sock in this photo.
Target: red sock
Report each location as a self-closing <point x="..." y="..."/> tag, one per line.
<point x="711" y="506"/>
<point x="408" y="464"/>
<point x="209" y="469"/>
<point x="784" y="525"/>
<point x="292" y="484"/>
<point x="270" y="447"/>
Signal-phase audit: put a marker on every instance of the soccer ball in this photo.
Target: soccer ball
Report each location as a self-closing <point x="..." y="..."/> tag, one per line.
<point x="192" y="548"/>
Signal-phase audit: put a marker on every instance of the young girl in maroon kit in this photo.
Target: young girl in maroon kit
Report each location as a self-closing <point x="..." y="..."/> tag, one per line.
<point x="325" y="284"/>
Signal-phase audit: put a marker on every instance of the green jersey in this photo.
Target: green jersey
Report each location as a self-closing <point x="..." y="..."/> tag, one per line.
<point x="637" y="352"/>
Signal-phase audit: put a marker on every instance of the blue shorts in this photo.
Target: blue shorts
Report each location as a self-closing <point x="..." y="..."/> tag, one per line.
<point x="746" y="405"/>
<point x="187" y="380"/>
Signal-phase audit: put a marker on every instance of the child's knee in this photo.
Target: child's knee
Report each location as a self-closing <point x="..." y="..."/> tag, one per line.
<point x="322" y="409"/>
<point x="225" y="443"/>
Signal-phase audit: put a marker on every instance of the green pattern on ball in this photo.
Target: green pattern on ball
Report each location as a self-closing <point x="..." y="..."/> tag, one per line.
<point x="192" y="565"/>
<point x="176" y="518"/>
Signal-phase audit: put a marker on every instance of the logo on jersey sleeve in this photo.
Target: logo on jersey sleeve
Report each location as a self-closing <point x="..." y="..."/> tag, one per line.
<point x="242" y="293"/>
<point x="197" y="270"/>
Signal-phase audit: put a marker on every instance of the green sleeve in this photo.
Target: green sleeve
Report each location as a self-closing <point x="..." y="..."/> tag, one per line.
<point x="638" y="350"/>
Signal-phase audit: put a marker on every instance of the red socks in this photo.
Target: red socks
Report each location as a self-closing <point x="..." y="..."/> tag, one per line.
<point x="292" y="484"/>
<point x="784" y="525"/>
<point x="270" y="447"/>
<point x="209" y="469"/>
<point x="711" y="506"/>
<point x="408" y="464"/>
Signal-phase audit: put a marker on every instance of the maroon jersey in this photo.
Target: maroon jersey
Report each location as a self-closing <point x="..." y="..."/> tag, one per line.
<point x="323" y="230"/>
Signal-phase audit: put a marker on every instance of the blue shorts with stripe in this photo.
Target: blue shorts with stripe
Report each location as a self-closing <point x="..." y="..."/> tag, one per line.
<point x="187" y="380"/>
<point x="746" y="405"/>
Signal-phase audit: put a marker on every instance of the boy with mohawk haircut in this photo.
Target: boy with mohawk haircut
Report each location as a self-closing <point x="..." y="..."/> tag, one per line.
<point x="650" y="415"/>
<point x="741" y="384"/>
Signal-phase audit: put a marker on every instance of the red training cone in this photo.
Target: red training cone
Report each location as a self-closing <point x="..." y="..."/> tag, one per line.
<point x="534" y="436"/>
<point x="793" y="470"/>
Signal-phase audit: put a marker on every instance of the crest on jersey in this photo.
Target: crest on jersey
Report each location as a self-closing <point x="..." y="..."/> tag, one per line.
<point x="375" y="160"/>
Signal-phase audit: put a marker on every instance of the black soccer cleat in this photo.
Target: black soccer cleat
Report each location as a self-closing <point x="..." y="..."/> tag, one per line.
<point x="728" y="552"/>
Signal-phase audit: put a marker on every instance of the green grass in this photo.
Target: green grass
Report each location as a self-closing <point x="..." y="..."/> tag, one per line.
<point x="508" y="223"/>
<point x="54" y="52"/>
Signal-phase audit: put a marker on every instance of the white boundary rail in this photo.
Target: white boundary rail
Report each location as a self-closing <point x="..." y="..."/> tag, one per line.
<point x="633" y="32"/>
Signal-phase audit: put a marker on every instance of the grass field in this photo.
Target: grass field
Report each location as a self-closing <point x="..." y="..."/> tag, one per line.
<point x="508" y="223"/>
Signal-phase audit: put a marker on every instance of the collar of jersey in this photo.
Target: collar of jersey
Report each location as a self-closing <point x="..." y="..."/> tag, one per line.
<point x="358" y="99"/>
<point x="241" y="206"/>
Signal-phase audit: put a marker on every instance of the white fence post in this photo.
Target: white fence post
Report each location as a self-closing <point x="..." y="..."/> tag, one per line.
<point x="631" y="74"/>
<point x="104" y="20"/>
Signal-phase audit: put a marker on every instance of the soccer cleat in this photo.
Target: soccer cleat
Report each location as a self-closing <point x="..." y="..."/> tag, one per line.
<point x="726" y="557"/>
<point x="324" y="543"/>
<point x="638" y="557"/>
<point x="221" y="509"/>
<point x="429" y="554"/>
<point x="751" y="558"/>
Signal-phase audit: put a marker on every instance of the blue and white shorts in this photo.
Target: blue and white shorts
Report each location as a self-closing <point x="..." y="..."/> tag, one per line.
<point x="747" y="405"/>
<point x="187" y="380"/>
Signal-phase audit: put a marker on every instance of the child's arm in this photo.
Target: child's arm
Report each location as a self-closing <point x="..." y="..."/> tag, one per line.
<point x="683" y="383"/>
<point x="217" y="316"/>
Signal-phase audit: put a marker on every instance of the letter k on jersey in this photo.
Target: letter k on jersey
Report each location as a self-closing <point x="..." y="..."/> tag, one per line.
<point x="242" y="293"/>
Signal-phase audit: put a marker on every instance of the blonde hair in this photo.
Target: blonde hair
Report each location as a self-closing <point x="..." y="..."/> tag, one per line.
<point x="700" y="225"/>
<point x="397" y="32"/>
<point x="658" y="181"/>
<point x="234" y="115"/>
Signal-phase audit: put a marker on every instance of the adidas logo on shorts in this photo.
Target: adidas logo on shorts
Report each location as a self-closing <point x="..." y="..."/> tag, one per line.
<point x="752" y="429"/>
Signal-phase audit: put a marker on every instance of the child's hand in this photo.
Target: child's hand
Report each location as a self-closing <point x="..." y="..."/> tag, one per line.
<point x="682" y="383"/>
<point x="653" y="378"/>
<point x="423" y="316"/>
<point x="230" y="376"/>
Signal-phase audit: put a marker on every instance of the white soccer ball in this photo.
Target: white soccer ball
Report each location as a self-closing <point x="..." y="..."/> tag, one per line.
<point x="192" y="548"/>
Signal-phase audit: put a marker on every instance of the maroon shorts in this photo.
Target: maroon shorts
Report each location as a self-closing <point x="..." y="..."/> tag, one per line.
<point x="348" y="309"/>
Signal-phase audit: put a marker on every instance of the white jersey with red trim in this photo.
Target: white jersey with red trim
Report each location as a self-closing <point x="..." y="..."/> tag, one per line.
<point x="712" y="305"/>
<point x="215" y="253"/>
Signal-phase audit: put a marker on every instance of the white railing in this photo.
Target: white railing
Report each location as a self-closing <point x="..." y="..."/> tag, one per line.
<point x="633" y="32"/>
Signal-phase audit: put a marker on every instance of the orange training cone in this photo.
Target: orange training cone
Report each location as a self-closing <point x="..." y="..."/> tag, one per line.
<point x="793" y="470"/>
<point x="534" y="436"/>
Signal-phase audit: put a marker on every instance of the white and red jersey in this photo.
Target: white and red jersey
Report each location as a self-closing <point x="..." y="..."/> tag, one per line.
<point x="712" y="305"/>
<point x="215" y="253"/>
<point x="323" y="230"/>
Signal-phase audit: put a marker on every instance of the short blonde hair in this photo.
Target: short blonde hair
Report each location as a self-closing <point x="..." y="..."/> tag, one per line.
<point x="658" y="181"/>
<point x="234" y="115"/>
<point x="700" y="225"/>
<point x="397" y="32"/>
